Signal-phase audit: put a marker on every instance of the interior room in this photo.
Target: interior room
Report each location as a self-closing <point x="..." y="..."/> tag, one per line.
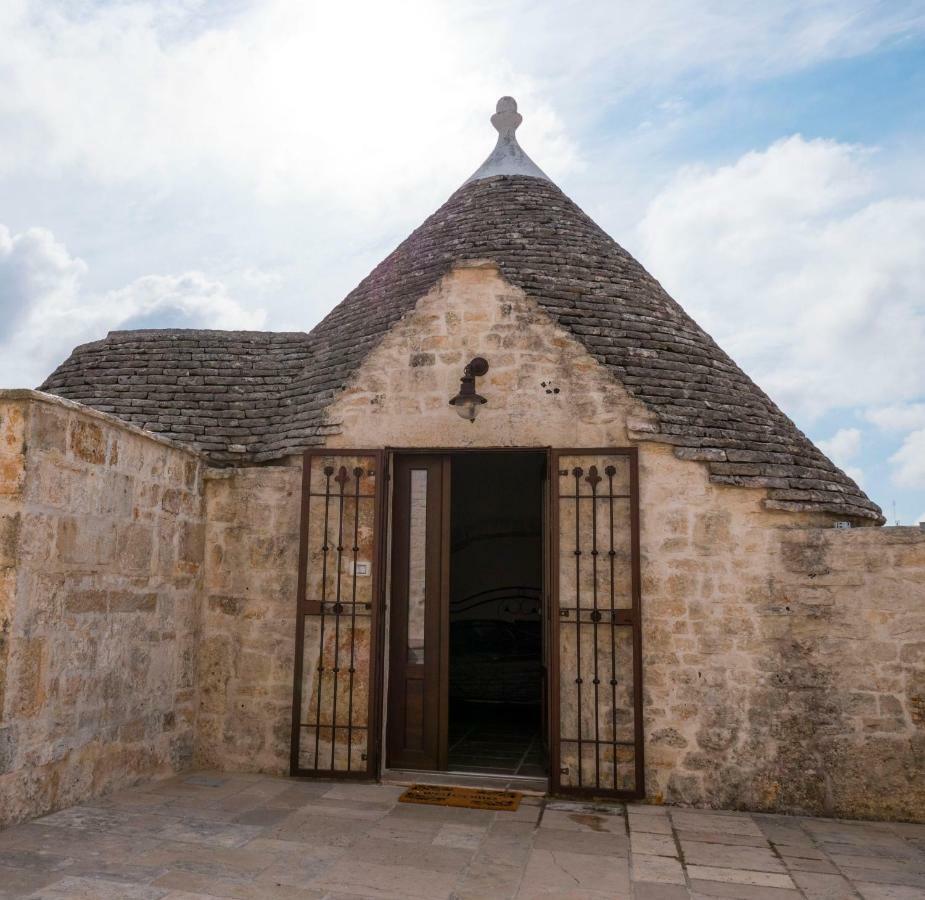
<point x="496" y="654"/>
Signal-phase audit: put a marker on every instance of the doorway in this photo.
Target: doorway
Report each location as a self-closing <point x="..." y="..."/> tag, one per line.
<point x="496" y="672"/>
<point x="467" y="682"/>
<point x="591" y="652"/>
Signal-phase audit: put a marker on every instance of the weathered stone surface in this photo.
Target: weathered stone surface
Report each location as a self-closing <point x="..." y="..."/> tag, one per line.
<point x="762" y="635"/>
<point x="783" y="659"/>
<point x="261" y="838"/>
<point x="248" y="619"/>
<point x="98" y="627"/>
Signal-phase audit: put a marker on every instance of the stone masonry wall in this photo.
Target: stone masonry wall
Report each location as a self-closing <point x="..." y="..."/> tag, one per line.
<point x="783" y="659"/>
<point x="101" y="543"/>
<point x="784" y="665"/>
<point x="848" y="615"/>
<point x="249" y="598"/>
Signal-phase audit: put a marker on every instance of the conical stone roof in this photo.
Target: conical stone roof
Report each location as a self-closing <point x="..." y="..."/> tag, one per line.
<point x="705" y="405"/>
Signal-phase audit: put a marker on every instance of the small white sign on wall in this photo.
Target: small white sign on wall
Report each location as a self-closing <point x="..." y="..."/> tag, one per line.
<point x="362" y="568"/>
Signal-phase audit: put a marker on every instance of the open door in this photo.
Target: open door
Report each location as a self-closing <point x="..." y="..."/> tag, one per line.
<point x="334" y="722"/>
<point x="417" y="731"/>
<point x="596" y="685"/>
<point x="549" y="612"/>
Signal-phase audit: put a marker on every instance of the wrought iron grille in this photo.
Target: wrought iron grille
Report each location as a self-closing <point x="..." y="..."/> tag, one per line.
<point x="596" y="632"/>
<point x="337" y="615"/>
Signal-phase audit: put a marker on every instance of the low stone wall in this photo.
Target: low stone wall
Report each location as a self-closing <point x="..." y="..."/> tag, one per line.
<point x="848" y="614"/>
<point x="101" y="545"/>
<point x="249" y="602"/>
<point x="147" y="624"/>
<point x="793" y="681"/>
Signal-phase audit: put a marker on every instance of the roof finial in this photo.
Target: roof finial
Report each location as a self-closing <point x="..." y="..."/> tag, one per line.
<point x="507" y="158"/>
<point x="507" y="120"/>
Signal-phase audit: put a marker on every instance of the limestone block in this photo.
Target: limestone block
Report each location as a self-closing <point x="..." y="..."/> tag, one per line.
<point x="86" y="441"/>
<point x="28" y="677"/>
<point x="10" y="528"/>
<point x="87" y="601"/>
<point x="12" y="475"/>
<point x="134" y="548"/>
<point x="49" y="430"/>
<point x="191" y="542"/>
<point x="12" y="428"/>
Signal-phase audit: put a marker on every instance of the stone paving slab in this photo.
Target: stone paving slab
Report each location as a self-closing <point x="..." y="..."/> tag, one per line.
<point x="211" y="835"/>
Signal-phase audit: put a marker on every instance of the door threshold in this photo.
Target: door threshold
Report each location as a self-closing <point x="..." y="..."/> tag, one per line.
<point x="488" y="780"/>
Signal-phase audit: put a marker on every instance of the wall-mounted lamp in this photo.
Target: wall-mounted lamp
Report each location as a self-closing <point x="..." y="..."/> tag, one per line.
<point x="467" y="401"/>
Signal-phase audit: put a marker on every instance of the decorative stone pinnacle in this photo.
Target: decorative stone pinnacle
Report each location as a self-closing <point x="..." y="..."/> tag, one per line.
<point x="507" y="120"/>
<point x="507" y="158"/>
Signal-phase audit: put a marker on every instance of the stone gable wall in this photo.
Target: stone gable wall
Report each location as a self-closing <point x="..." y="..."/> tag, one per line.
<point x="101" y="546"/>
<point x="543" y="387"/>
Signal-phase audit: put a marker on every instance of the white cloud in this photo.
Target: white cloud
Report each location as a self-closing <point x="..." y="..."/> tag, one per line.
<point x="803" y="269"/>
<point x="364" y="101"/>
<point x="909" y="461"/>
<point x="897" y="417"/>
<point x="33" y="264"/>
<point x="843" y="448"/>
<point x="46" y="313"/>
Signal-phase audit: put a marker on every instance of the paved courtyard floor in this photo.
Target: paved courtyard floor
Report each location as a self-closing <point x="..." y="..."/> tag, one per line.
<point x="259" y="838"/>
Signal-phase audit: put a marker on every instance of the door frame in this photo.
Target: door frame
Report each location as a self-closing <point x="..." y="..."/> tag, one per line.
<point x="381" y="594"/>
<point x="391" y="453"/>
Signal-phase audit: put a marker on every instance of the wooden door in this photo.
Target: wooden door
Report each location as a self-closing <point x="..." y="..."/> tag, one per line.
<point x="334" y="709"/>
<point x="419" y="627"/>
<point x="596" y="732"/>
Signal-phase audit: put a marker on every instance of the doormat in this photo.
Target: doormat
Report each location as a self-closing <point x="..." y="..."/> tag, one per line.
<point x="469" y="798"/>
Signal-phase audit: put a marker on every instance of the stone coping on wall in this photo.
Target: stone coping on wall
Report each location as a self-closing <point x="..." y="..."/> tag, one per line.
<point x="910" y="531"/>
<point x="898" y="534"/>
<point x="27" y="394"/>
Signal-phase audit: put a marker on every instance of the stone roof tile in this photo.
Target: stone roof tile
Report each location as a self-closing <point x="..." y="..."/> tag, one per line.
<point x="706" y="406"/>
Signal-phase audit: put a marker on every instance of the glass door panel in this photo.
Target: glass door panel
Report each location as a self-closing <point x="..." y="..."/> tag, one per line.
<point x="417" y="676"/>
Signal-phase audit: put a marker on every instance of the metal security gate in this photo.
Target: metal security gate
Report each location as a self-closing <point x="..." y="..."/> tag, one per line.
<point x="334" y="711"/>
<point x="596" y="739"/>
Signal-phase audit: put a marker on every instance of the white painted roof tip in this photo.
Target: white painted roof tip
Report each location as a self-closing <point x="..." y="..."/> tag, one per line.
<point x="507" y="158"/>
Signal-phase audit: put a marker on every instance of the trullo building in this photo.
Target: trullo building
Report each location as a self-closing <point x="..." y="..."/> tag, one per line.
<point x="507" y="512"/>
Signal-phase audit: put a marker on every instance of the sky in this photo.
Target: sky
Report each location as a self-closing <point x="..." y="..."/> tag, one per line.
<point x="236" y="164"/>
